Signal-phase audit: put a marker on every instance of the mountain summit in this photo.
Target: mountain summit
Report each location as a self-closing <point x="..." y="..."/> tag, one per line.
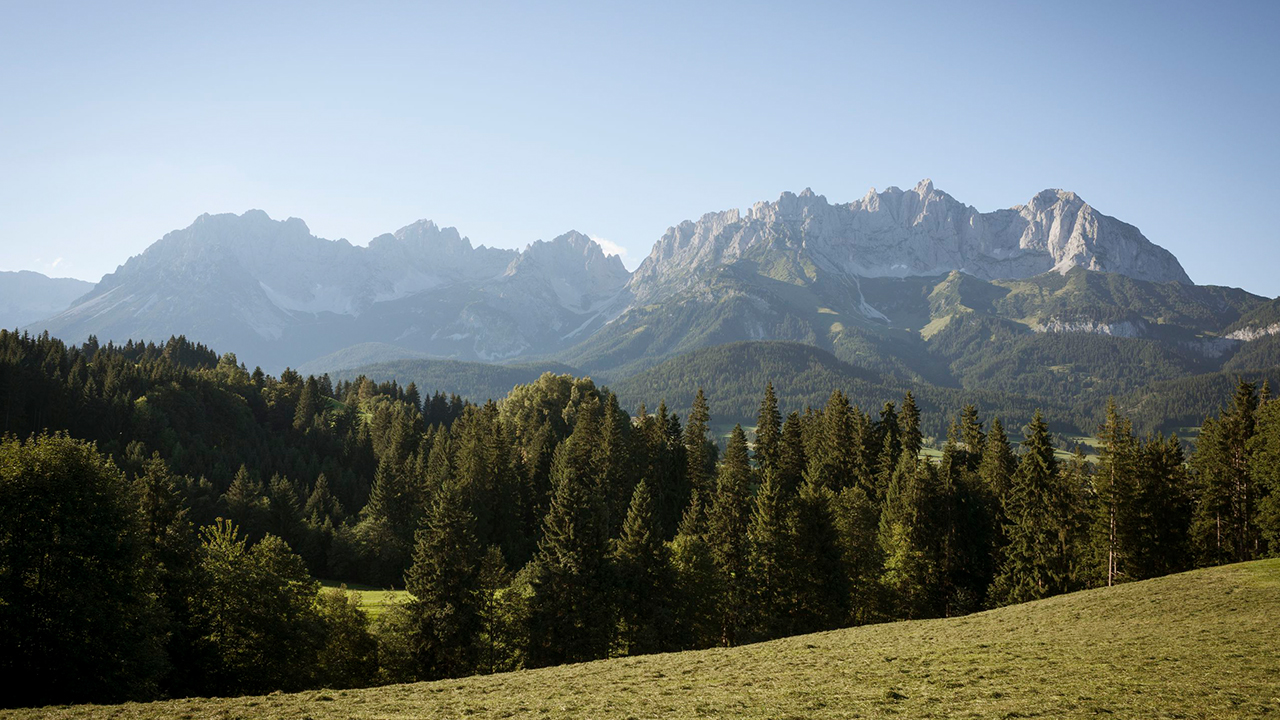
<point x="901" y="233"/>
<point x="798" y="268"/>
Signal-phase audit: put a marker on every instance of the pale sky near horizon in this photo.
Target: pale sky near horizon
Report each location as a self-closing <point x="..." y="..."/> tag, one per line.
<point x="511" y="122"/>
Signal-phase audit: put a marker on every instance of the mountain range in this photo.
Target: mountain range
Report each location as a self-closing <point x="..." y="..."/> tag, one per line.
<point x="1051" y="296"/>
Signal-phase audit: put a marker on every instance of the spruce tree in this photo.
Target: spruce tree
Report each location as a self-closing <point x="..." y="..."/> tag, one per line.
<point x="571" y="618"/>
<point x="443" y="583"/>
<point x="1112" y="491"/>
<point x="727" y="519"/>
<point x="769" y="562"/>
<point x="791" y="457"/>
<point x="909" y="426"/>
<point x="644" y="573"/>
<point x="699" y="451"/>
<point x="820" y="580"/>
<point x="907" y="527"/>
<point x="1225" y="527"/>
<point x="768" y="432"/>
<point x="1034" y="564"/>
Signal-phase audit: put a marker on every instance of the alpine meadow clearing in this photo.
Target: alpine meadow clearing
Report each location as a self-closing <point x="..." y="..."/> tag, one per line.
<point x="1201" y="644"/>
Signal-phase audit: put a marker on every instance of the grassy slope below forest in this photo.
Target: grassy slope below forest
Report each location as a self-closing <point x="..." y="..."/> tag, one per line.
<point x="1199" y="644"/>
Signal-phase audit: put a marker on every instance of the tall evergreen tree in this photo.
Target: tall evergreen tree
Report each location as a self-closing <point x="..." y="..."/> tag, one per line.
<point x="571" y="619"/>
<point x="769" y="561"/>
<point x="1112" y="491"/>
<point x="1034" y="563"/>
<point x="645" y="578"/>
<point x="1225" y="528"/>
<point x="768" y="432"/>
<point x="443" y="584"/>
<point x="907" y="527"/>
<point x="727" y="519"/>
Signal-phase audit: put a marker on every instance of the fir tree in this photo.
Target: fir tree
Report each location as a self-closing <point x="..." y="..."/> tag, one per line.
<point x="768" y="432"/>
<point x="769" y="563"/>
<point x="571" y="619"/>
<point x="443" y="582"/>
<point x="645" y="577"/>
<point x="727" y="520"/>
<point x="1033" y="564"/>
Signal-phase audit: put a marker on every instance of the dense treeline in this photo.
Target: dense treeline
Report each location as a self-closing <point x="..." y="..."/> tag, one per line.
<point x="553" y="527"/>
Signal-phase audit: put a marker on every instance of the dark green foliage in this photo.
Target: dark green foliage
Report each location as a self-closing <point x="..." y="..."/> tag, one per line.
<point x="443" y="580"/>
<point x="571" y="619"/>
<point x="535" y="532"/>
<point x="727" y="518"/>
<point x="78" y="621"/>
<point x="643" y="569"/>
<point x="1037" y="509"/>
<point x="1225" y="527"/>
<point x="255" y="618"/>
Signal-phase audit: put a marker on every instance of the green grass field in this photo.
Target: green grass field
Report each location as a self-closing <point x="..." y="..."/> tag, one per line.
<point x="374" y="600"/>
<point x="1204" y="644"/>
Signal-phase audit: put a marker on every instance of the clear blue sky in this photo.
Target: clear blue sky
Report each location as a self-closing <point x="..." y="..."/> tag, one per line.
<point x="123" y="121"/>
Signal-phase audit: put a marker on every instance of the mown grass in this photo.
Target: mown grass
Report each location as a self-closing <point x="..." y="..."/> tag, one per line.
<point x="375" y="601"/>
<point x="1204" y="644"/>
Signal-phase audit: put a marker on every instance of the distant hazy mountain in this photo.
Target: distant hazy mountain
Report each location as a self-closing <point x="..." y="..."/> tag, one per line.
<point x="277" y="295"/>
<point x="27" y="296"/>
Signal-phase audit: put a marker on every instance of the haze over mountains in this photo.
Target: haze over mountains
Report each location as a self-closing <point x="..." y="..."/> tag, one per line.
<point x="910" y="284"/>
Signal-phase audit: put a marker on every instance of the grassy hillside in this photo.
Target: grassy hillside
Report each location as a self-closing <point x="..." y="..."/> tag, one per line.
<point x="1199" y="644"/>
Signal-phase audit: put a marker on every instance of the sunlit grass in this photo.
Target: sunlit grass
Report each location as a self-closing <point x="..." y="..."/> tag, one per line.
<point x="1204" y="644"/>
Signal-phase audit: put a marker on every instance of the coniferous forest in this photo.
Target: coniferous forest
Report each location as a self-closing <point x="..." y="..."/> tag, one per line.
<point x="166" y="515"/>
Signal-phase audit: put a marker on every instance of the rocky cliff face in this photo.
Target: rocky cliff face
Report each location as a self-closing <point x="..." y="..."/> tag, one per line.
<point x="896" y="233"/>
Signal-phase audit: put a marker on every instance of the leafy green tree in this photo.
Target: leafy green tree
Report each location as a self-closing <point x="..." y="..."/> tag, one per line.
<point x="173" y="551"/>
<point x="255" y="615"/>
<point x="348" y="653"/>
<point x="78" y="618"/>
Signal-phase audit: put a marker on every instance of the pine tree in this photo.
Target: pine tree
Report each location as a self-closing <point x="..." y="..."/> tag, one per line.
<point x="907" y="524"/>
<point x="644" y="573"/>
<point x="831" y="461"/>
<point x="1158" y="518"/>
<point x="696" y="589"/>
<point x="1034" y="565"/>
<point x="890" y="448"/>
<point x="308" y="405"/>
<point x="791" y="457"/>
<point x="821" y="600"/>
<point x="571" y="619"/>
<point x="768" y="432"/>
<point x="1225" y="527"/>
<point x="909" y="426"/>
<point x="443" y="582"/>
<point x="1112" y="490"/>
<point x="769" y="563"/>
<point x="727" y="520"/>
<point x="246" y="504"/>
